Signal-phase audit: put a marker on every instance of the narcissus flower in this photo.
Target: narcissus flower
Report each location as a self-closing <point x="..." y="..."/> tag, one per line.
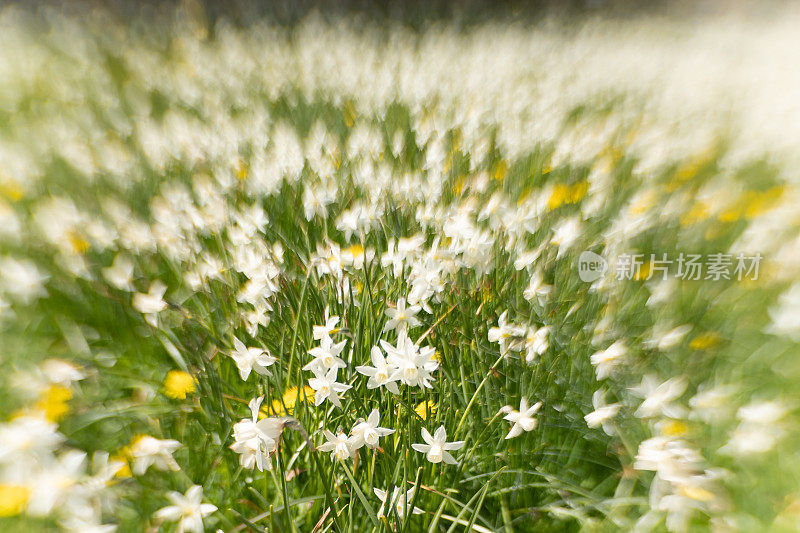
<point x="366" y="432"/>
<point x="147" y="451"/>
<point x="255" y="440"/>
<point x="151" y="303"/>
<point x="402" y="317"/>
<point x="523" y="419"/>
<point x="327" y="388"/>
<point x="248" y="359"/>
<point x="436" y="447"/>
<point x="380" y="373"/>
<point x="188" y="510"/>
<point x="340" y="445"/>
<point x="401" y="501"/>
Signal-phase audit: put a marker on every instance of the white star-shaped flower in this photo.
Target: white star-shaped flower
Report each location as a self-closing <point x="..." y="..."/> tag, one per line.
<point x="436" y="447"/>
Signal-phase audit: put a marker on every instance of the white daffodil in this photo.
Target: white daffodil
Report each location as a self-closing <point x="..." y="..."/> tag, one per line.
<point x="327" y="330"/>
<point x="414" y="366"/>
<point x="537" y="289"/>
<point x="536" y="343"/>
<point x="659" y="397"/>
<point x="327" y="388"/>
<point x="602" y="413"/>
<point x="401" y="501"/>
<point x="147" y="451"/>
<point x="27" y="435"/>
<point x="51" y="486"/>
<point x="523" y="419"/>
<point x="151" y="303"/>
<point x="326" y="356"/>
<point x="380" y="373"/>
<point x="248" y="359"/>
<point x="509" y="336"/>
<point x="120" y="273"/>
<point x="605" y="361"/>
<point x="402" y="317"/>
<point x="436" y="447"/>
<point x="340" y="445"/>
<point x="253" y="440"/>
<point x="188" y="510"/>
<point x="60" y="372"/>
<point x="366" y="432"/>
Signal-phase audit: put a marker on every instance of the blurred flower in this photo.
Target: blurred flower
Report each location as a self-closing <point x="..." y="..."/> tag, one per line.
<point x="178" y="384"/>
<point x="147" y="451"/>
<point x="522" y="420"/>
<point x="188" y="510"/>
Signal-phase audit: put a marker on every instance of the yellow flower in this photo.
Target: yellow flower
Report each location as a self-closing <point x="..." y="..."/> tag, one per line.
<point x="53" y="402"/>
<point x="567" y="194"/>
<point x="123" y="456"/>
<point x="241" y="170"/>
<point x="698" y="212"/>
<point x="178" y="384"/>
<point x="13" y="499"/>
<point x="705" y="340"/>
<point x="291" y="397"/>
<point x="77" y="242"/>
<point x="500" y="170"/>
<point x="426" y="407"/>
<point x="674" y="428"/>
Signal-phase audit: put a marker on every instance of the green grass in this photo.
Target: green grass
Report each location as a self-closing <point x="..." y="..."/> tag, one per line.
<point x="562" y="476"/>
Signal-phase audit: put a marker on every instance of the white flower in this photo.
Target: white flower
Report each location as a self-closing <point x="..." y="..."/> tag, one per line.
<point x="254" y="439"/>
<point x="51" y="486"/>
<point x="148" y="451"/>
<point x="380" y="373"/>
<point x="536" y="343"/>
<point x="248" y="359"/>
<point x="509" y="336"/>
<point x="326" y="356"/>
<point x="326" y="387"/>
<point x="320" y="332"/>
<point x="602" y="413"/>
<point x="152" y="303"/>
<point x="523" y="419"/>
<point x="402" y="317"/>
<point x="366" y="432"/>
<point x="673" y="459"/>
<point x="659" y="398"/>
<point x="120" y="272"/>
<point x="436" y="449"/>
<point x="340" y="445"/>
<point x="759" y="429"/>
<point x="413" y="365"/>
<point x="537" y="289"/>
<point x="27" y="435"/>
<point x="710" y="404"/>
<point x="21" y="279"/>
<point x="401" y="501"/>
<point x="606" y="360"/>
<point x="565" y="234"/>
<point x="188" y="510"/>
<point x="60" y="372"/>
